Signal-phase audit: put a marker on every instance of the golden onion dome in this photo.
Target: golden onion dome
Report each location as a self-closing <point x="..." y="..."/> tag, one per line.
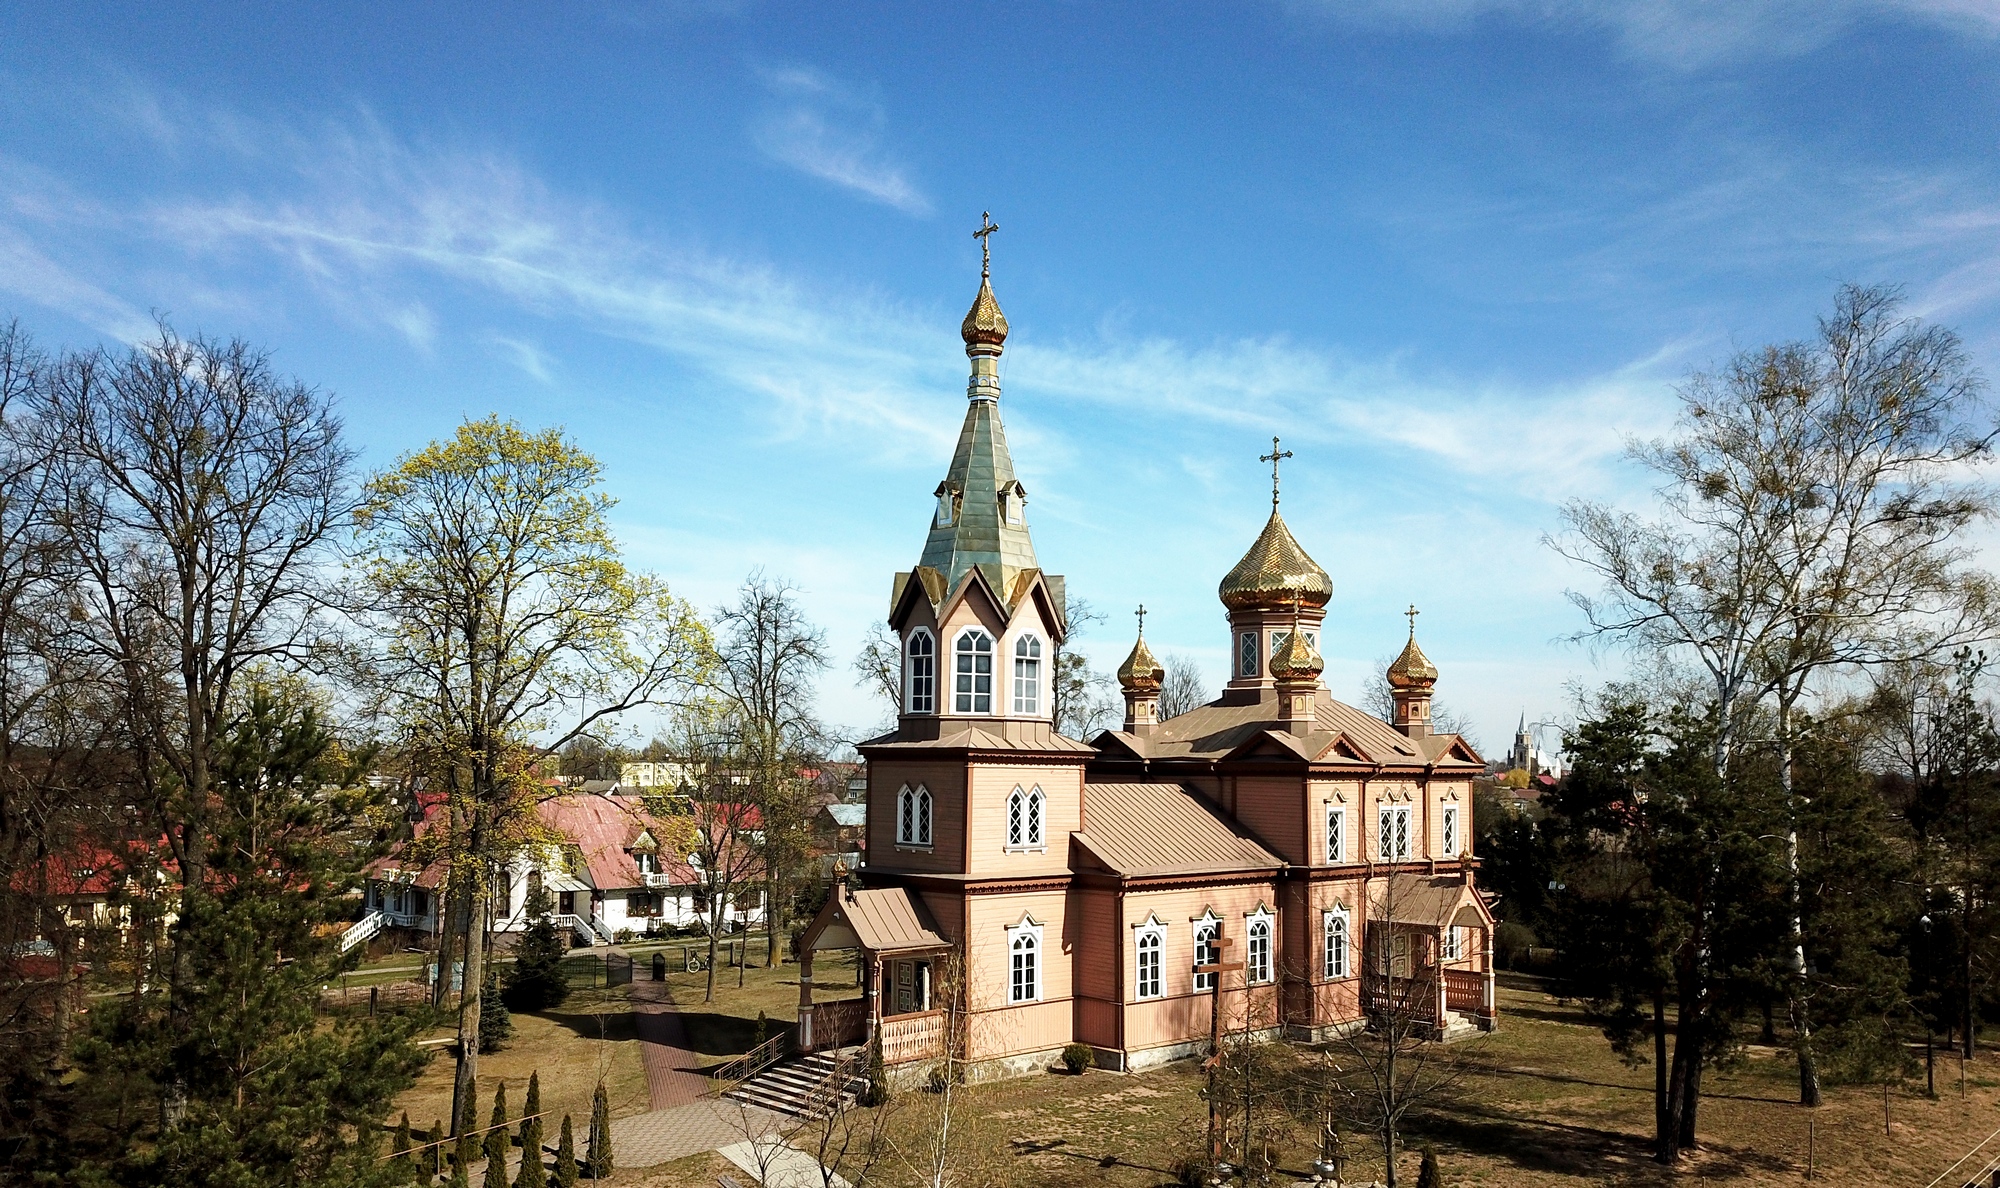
<point x="985" y="325"/>
<point x="1412" y="669"/>
<point x="1296" y="658"/>
<point x="1275" y="574"/>
<point x="1140" y="672"/>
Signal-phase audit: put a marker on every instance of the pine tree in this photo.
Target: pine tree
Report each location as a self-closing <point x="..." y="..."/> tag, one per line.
<point x="496" y="1027"/>
<point x="536" y="981"/>
<point x="468" y="1134"/>
<point x="496" y="1131"/>
<point x="434" y="1152"/>
<point x="403" y="1165"/>
<point x="600" y="1135"/>
<point x="566" y="1156"/>
<point x="532" y="1175"/>
<point x="1428" y="1175"/>
<point x="459" y="1178"/>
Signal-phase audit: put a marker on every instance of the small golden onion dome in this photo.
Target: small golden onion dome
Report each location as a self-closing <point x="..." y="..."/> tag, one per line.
<point x="985" y="325"/>
<point x="1412" y="669"/>
<point x="1296" y="659"/>
<point x="1275" y="574"/>
<point x="1140" y="672"/>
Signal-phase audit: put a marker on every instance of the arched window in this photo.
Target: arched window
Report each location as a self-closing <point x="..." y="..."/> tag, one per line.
<point x="1028" y="675"/>
<point x="923" y="673"/>
<point x="1152" y="943"/>
<point x="1336" y="944"/>
<point x="1258" y="966"/>
<point x="1206" y="951"/>
<point x="973" y="674"/>
<point x="913" y="816"/>
<point x="1024" y="947"/>
<point x="1025" y="824"/>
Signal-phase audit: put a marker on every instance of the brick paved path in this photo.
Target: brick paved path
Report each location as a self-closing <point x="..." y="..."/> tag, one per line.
<point x="663" y="1047"/>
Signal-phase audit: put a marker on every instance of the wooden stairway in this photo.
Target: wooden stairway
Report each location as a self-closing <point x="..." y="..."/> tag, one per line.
<point x="810" y="1086"/>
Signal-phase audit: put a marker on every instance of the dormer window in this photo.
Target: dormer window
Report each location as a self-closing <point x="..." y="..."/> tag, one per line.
<point x="1027" y="675"/>
<point x="947" y="507"/>
<point x="972" y="675"/>
<point x="1013" y="505"/>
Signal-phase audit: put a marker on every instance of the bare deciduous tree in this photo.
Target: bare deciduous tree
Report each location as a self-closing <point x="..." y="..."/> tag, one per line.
<point x="1183" y="688"/>
<point x="879" y="665"/>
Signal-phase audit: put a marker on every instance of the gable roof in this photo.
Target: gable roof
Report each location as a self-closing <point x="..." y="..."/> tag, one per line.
<point x="601" y="828"/>
<point x="1341" y="734"/>
<point x="1164" y="829"/>
<point x="880" y="920"/>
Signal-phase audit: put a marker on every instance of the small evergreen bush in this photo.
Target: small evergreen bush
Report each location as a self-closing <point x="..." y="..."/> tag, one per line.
<point x="536" y="981"/>
<point x="599" y="1157"/>
<point x="1428" y="1175"/>
<point x="1078" y="1058"/>
<point x="566" y="1156"/>
<point x="496" y="1131"/>
<point x="532" y="1175"/>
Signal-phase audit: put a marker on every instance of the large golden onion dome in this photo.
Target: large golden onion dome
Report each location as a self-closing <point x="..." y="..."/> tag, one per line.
<point x="1412" y="669"/>
<point x="1140" y="672"/>
<point x="1296" y="659"/>
<point x="1275" y="574"/>
<point x="985" y="325"/>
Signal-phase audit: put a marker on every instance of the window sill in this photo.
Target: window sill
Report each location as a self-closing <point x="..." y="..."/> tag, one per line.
<point x="1024" y="849"/>
<point x="914" y="848"/>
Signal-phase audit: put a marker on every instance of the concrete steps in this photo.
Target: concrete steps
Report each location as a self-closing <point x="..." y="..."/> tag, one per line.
<point x="799" y="1088"/>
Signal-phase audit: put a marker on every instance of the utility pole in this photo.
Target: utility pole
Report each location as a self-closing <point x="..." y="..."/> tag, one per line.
<point x="1215" y="969"/>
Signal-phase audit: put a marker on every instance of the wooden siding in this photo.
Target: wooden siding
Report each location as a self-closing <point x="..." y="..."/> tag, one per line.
<point x="946" y="781"/>
<point x="992" y="784"/>
<point x="1274" y="810"/>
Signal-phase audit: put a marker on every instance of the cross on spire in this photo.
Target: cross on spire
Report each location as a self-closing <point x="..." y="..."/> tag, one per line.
<point x="1274" y="457"/>
<point x="1142" y="620"/>
<point x="986" y="228"/>
<point x="1413" y="612"/>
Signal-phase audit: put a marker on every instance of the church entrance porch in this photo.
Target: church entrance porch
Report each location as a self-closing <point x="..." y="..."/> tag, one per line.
<point x="902" y="956"/>
<point x="1429" y="955"/>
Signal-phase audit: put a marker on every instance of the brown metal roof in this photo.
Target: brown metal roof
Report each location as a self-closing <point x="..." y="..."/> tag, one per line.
<point x="1216" y="729"/>
<point x="883" y="919"/>
<point x="1429" y="901"/>
<point x="1164" y="829"/>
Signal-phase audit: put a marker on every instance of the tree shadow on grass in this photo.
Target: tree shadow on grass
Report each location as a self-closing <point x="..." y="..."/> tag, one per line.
<point x="1585" y="1151"/>
<point x="611" y="1024"/>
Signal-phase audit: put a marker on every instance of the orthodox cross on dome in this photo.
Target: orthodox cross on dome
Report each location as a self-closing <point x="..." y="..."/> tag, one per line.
<point x="1413" y="612"/>
<point x="986" y="228"/>
<point x="1142" y="620"/>
<point x="1274" y="457"/>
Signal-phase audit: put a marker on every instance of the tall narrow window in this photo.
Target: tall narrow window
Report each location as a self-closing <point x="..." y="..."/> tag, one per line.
<point x="973" y="674"/>
<point x="1453" y="943"/>
<point x="1336" y="833"/>
<point x="1152" y="943"/>
<point x="1027" y="675"/>
<point x="1392" y="841"/>
<point x="1024" y="954"/>
<point x="1246" y="654"/>
<point x="1450" y="831"/>
<point x="923" y="673"/>
<point x="1206" y="951"/>
<point x="1017" y="817"/>
<point x="1336" y="944"/>
<point x="913" y="816"/>
<point x="1258" y="968"/>
<point x="923" y="816"/>
<point x="1037" y="803"/>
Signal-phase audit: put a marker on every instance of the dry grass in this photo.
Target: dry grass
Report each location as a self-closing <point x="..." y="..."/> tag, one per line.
<point x="590" y="1037"/>
<point x="1547" y="1105"/>
<point x="726" y="1027"/>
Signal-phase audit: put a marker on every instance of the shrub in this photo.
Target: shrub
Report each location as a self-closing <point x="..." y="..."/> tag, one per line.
<point x="403" y="1165"/>
<point x="496" y="1131"/>
<point x="599" y="1157"/>
<point x="495" y="1027"/>
<point x="763" y="1029"/>
<point x="1078" y="1058"/>
<point x="1428" y="1175"/>
<point x="433" y="1160"/>
<point x="532" y="1174"/>
<point x="536" y="981"/>
<point x="939" y="1080"/>
<point x="468" y="1134"/>
<point x="566" y="1156"/>
<point x="878" y="1077"/>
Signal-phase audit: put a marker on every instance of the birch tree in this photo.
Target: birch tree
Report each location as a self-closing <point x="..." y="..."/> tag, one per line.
<point x="507" y="618"/>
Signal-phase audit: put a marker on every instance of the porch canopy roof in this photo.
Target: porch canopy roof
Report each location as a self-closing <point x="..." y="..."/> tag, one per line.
<point x="561" y="880"/>
<point x="1428" y="901"/>
<point x="879" y="920"/>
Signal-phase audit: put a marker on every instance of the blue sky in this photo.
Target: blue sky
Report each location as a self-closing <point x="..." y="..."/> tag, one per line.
<point x="1455" y="252"/>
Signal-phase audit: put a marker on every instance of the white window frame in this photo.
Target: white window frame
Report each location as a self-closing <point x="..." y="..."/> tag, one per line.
<point x="1336" y="929"/>
<point x="916" y="816"/>
<point x="921" y="694"/>
<point x="1202" y="930"/>
<point x="1451" y="940"/>
<point x="1149" y="959"/>
<point x="1336" y="832"/>
<point x="1257" y="968"/>
<point x="1024" y="938"/>
<point x="1393" y="842"/>
<point x="1448" y="831"/>
<point x="1027" y="820"/>
<point x="1027" y="682"/>
<point x="967" y="700"/>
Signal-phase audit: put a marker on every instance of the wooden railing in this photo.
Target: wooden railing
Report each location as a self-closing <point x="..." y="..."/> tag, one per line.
<point x="1413" y="998"/>
<point x="1465" y="990"/>
<point x="912" y="1037"/>
<point x="839" y="1024"/>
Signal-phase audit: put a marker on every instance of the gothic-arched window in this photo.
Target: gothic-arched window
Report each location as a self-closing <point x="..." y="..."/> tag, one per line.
<point x="972" y="674"/>
<point x="922" y="663"/>
<point x="913" y="816"/>
<point x="1336" y="944"/>
<point x="1207" y="931"/>
<point x="1152" y="943"/>
<point x="1259" y="964"/>
<point x="1024" y="948"/>
<point x="1025" y="818"/>
<point x="1028" y="675"/>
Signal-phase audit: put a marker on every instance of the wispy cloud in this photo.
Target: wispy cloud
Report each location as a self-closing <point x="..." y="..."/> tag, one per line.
<point x="1685" y="34"/>
<point x="825" y="129"/>
<point x="525" y="355"/>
